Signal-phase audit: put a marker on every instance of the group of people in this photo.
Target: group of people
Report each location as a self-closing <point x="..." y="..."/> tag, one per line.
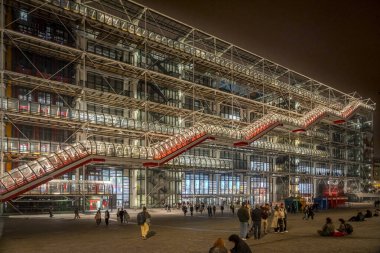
<point x="259" y="218"/>
<point x="329" y="228"/>
<point x="345" y="228"/>
<point x="122" y="215"/>
<point x="308" y="212"/>
<point x="98" y="217"/>
<point x="200" y="207"/>
<point x="143" y="219"/>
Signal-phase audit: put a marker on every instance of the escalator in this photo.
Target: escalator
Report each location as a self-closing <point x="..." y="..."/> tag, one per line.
<point x="272" y="120"/>
<point x="42" y="170"/>
<point x="35" y="173"/>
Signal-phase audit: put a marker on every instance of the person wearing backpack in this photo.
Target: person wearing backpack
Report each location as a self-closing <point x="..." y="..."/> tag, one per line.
<point x="345" y="227"/>
<point x="143" y="219"/>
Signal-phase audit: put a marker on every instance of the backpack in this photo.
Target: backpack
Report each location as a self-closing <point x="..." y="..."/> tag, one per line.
<point x="349" y="228"/>
<point x="141" y="218"/>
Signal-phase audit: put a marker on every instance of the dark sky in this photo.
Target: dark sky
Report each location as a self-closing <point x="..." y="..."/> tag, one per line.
<point x="334" y="42"/>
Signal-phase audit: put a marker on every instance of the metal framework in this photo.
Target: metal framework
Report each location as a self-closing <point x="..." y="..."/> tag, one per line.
<point x="169" y="97"/>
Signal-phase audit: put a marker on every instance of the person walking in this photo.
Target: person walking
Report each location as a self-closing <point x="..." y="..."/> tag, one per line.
<point x="191" y="210"/>
<point x="98" y="217"/>
<point x="106" y="217"/>
<point x="222" y="209"/>
<point x="306" y="213"/>
<point x="243" y="216"/>
<point x="256" y="215"/>
<point x="214" y="209"/>
<point x="51" y="212"/>
<point x="121" y="215"/>
<point x="76" y="213"/>
<point x="209" y="210"/>
<point x="143" y="220"/>
<point x="232" y="208"/>
<point x="184" y="210"/>
<point x="126" y="216"/>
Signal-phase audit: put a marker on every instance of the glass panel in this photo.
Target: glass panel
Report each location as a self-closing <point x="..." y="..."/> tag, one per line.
<point x="46" y="164"/>
<point x="55" y="161"/>
<point x="72" y="153"/>
<point x="27" y="172"/>
<point x="36" y="167"/>
<point x="17" y="177"/>
<point x="8" y="182"/>
<point x="65" y="158"/>
<point x="81" y="150"/>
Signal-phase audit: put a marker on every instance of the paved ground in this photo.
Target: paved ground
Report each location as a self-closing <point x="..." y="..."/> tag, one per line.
<point x="175" y="233"/>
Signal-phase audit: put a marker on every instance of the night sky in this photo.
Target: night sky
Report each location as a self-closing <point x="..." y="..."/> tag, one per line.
<point x="334" y="42"/>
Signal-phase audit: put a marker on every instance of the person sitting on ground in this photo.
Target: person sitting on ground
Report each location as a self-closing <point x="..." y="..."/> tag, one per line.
<point x="368" y="214"/>
<point x="358" y="217"/>
<point x="239" y="245"/>
<point x="219" y="247"/>
<point x="342" y="226"/>
<point x="328" y="229"/>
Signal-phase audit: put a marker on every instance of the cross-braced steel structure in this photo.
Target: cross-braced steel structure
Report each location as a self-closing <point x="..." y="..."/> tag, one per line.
<point x="129" y="107"/>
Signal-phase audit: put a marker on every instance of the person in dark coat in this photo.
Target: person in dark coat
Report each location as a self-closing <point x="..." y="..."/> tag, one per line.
<point x="368" y="214"/>
<point x="209" y="210"/>
<point x="121" y="215"/>
<point x="240" y="246"/>
<point x="243" y="215"/>
<point x="214" y="210"/>
<point x="191" y="210"/>
<point x="106" y="217"/>
<point x="232" y="207"/>
<point x="256" y="221"/>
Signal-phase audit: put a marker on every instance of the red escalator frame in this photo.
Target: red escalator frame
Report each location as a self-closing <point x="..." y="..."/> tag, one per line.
<point x="87" y="160"/>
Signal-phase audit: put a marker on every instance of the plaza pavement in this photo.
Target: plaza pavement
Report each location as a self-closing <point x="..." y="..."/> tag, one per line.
<point x="175" y="233"/>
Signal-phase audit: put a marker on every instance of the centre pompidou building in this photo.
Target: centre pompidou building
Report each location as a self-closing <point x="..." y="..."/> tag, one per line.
<point x="111" y="104"/>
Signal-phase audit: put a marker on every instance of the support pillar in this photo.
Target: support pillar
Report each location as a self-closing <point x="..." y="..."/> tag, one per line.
<point x="274" y="189"/>
<point x="2" y="94"/>
<point x="133" y="185"/>
<point x="345" y="183"/>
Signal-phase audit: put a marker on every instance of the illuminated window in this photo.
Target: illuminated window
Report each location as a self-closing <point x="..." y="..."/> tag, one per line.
<point x="23" y="15"/>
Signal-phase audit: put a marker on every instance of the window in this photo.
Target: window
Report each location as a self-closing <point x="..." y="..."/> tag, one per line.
<point x="23" y="15"/>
